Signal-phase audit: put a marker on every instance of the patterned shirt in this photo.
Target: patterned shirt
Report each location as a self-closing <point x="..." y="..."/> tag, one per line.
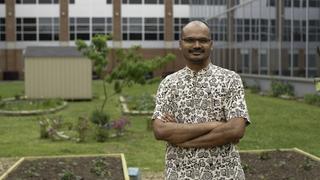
<point x="212" y="94"/>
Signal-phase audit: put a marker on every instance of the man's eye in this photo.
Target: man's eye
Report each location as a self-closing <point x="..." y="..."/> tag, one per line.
<point x="204" y="40"/>
<point x="189" y="40"/>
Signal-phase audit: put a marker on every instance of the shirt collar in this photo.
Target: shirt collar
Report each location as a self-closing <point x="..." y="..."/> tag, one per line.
<point x="201" y="72"/>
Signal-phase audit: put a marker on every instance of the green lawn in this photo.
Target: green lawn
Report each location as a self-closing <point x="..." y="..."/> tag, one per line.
<point x="276" y="123"/>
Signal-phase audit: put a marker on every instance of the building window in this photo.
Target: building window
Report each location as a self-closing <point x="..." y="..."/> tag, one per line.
<point x="287" y="30"/>
<point x="71" y="1"/>
<point x="79" y="28"/>
<point x="178" y="25"/>
<point x="271" y="2"/>
<point x="197" y="2"/>
<point x="153" y="1"/>
<point x="296" y="3"/>
<point x="314" y="30"/>
<point x="35" y="1"/>
<point x="245" y="61"/>
<point x="181" y="2"/>
<point x="263" y="63"/>
<point x="48" y="29"/>
<point x="101" y="25"/>
<point x="264" y="29"/>
<point x="1" y="1"/>
<point x="312" y="65"/>
<point x="2" y="29"/>
<point x="26" y="1"/>
<point x="26" y="29"/>
<point x="109" y="1"/>
<point x="131" y="1"/>
<point x="153" y="28"/>
<point x="296" y="30"/>
<point x="312" y="3"/>
<point x="132" y="28"/>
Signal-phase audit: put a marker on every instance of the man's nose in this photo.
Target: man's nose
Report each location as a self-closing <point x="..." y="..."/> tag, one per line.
<point x="197" y="44"/>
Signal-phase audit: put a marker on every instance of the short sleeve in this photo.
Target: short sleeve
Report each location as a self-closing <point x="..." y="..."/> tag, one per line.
<point x="235" y="103"/>
<point x="160" y="100"/>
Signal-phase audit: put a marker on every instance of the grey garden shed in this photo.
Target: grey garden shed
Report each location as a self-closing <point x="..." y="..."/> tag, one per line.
<point x="57" y="72"/>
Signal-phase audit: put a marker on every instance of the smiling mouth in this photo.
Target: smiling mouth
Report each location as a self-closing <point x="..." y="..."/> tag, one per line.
<point x="196" y="53"/>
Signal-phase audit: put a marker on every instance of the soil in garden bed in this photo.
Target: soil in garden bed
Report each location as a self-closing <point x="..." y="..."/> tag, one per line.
<point x="71" y="168"/>
<point x="282" y="165"/>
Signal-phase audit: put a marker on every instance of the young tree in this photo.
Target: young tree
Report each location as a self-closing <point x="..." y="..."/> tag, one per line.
<point x="130" y="68"/>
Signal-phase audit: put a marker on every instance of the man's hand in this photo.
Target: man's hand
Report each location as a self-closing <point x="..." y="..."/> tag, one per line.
<point x="167" y="118"/>
<point x="166" y="128"/>
<point x="230" y="132"/>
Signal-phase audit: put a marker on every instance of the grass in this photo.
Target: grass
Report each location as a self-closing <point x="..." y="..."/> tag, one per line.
<point x="276" y="123"/>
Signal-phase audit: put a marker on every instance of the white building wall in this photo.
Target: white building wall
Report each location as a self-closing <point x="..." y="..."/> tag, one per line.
<point x="181" y="11"/>
<point x="37" y="10"/>
<point x="85" y="8"/>
<point x="142" y="10"/>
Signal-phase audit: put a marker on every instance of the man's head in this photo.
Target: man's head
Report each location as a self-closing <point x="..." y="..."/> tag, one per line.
<point x="195" y="43"/>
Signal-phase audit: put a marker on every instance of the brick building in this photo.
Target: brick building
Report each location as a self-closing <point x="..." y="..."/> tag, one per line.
<point x="260" y="39"/>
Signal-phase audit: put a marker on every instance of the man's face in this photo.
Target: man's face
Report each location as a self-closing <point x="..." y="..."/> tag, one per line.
<point x="195" y="43"/>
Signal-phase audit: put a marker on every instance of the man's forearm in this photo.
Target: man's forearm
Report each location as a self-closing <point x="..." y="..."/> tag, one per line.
<point x="230" y="132"/>
<point x="176" y="133"/>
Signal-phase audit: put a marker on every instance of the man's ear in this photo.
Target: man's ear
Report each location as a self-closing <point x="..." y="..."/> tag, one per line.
<point x="180" y="44"/>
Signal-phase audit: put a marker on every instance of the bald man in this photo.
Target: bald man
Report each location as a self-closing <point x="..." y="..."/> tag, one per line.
<point x="201" y="113"/>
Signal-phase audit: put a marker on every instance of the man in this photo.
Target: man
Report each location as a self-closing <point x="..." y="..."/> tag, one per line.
<point x="201" y="113"/>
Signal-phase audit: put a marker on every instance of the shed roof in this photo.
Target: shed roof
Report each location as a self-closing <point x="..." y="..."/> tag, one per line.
<point x="52" y="51"/>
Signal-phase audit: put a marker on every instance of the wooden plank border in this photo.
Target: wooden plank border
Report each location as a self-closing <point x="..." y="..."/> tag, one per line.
<point x="120" y="155"/>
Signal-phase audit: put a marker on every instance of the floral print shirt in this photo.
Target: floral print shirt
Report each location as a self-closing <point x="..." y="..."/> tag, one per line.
<point x="212" y="94"/>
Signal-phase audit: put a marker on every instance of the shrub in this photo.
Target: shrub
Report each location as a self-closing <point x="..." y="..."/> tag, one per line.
<point x="144" y="102"/>
<point x="313" y="99"/>
<point x="120" y="124"/>
<point x="254" y="89"/>
<point x="279" y="88"/>
<point x="82" y="128"/>
<point x="100" y="118"/>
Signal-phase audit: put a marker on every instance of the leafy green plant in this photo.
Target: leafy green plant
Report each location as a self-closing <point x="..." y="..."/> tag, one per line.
<point x="101" y="120"/>
<point x="143" y="102"/>
<point x="68" y="175"/>
<point x="100" y="168"/>
<point x="313" y="99"/>
<point x="264" y="156"/>
<point x="279" y="88"/>
<point x="82" y="128"/>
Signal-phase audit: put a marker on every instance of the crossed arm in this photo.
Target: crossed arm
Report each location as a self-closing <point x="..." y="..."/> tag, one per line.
<point x="204" y="135"/>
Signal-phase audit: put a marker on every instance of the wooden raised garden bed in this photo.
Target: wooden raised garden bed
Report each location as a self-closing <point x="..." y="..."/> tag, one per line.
<point x="99" y="166"/>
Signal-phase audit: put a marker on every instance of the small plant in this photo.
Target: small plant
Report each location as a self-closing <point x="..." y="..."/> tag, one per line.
<point x="49" y="128"/>
<point x="101" y="121"/>
<point x="313" y="99"/>
<point x="279" y="88"/>
<point x="265" y="156"/>
<point x="307" y="164"/>
<point x="120" y="124"/>
<point x="100" y="168"/>
<point x="31" y="172"/>
<point x="82" y="128"/>
<point x="69" y="175"/>
<point x="44" y="126"/>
